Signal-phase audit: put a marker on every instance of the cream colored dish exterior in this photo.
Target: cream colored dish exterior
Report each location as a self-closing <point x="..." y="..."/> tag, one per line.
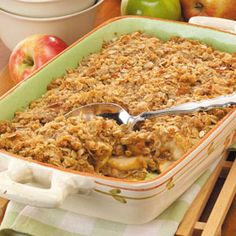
<point x="109" y="198"/>
<point x="120" y="201"/>
<point x="69" y="27"/>
<point x="45" y="8"/>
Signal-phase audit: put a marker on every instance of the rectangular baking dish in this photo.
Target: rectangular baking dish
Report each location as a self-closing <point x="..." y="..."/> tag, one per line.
<point x="42" y="185"/>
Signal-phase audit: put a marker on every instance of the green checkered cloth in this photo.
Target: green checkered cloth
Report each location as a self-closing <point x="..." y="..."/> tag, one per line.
<point x="26" y="220"/>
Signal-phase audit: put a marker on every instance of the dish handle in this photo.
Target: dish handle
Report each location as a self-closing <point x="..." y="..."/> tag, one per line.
<point x="14" y="185"/>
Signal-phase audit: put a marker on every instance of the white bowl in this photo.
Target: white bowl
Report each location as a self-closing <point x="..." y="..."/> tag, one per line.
<point x="45" y="8"/>
<point x="215" y="22"/>
<point x="14" y="28"/>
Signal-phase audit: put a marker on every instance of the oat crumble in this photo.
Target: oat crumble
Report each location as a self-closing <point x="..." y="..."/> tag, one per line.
<point x="140" y="73"/>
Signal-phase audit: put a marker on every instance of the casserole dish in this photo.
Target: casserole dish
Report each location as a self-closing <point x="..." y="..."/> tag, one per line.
<point x="138" y="202"/>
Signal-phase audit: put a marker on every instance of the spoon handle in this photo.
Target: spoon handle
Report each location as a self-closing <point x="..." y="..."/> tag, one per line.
<point x="204" y="105"/>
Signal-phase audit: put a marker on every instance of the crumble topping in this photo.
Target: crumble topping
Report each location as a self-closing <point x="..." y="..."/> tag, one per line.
<point x="140" y="73"/>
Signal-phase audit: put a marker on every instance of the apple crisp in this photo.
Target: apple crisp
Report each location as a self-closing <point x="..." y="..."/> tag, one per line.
<point x="140" y="73"/>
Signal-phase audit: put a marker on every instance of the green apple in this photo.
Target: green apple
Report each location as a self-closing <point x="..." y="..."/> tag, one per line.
<point x="166" y="9"/>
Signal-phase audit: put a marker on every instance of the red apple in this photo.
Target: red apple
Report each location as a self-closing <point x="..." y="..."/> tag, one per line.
<point x="31" y="53"/>
<point x="216" y="8"/>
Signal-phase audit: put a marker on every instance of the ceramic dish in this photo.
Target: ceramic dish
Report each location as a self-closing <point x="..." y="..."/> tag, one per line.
<point x="118" y="200"/>
<point x="45" y="8"/>
<point x="68" y="27"/>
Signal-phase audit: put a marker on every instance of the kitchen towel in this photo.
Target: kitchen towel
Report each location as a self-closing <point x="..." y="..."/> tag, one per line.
<point x="26" y="220"/>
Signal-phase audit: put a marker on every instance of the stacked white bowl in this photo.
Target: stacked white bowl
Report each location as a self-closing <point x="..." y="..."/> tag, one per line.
<point x="67" y="19"/>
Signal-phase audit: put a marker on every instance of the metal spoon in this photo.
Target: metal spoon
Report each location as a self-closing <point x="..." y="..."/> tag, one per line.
<point x="121" y="116"/>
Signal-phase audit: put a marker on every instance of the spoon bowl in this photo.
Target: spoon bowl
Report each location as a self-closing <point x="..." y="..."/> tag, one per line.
<point x="106" y="110"/>
<point x="121" y="116"/>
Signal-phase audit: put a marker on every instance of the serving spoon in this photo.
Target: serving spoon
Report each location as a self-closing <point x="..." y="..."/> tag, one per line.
<point x="121" y="116"/>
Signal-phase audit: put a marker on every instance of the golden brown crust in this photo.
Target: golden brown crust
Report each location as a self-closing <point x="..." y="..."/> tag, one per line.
<point x="140" y="73"/>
